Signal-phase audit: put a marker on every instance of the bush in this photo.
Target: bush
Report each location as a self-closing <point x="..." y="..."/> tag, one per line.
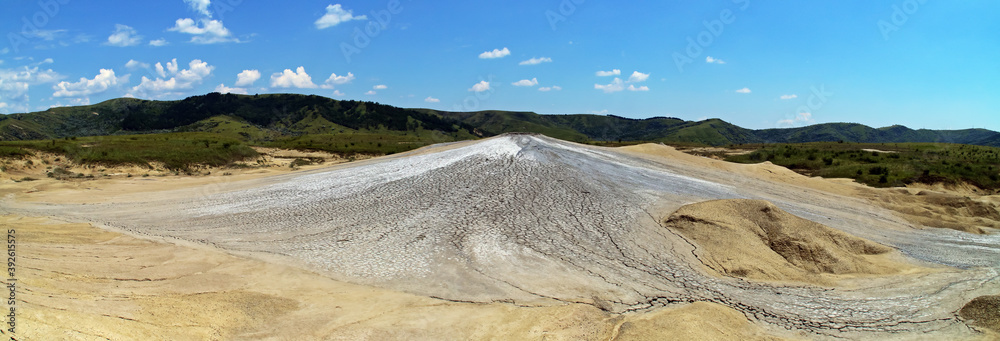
<point x="299" y="162"/>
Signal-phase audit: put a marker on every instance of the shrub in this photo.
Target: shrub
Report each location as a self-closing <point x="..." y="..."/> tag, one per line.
<point x="299" y="162"/>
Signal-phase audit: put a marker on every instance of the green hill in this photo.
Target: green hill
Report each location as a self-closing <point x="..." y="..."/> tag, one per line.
<point x="262" y="116"/>
<point x="271" y="118"/>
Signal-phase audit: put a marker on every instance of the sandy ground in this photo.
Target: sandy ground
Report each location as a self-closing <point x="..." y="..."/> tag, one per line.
<point x="757" y="240"/>
<point x="78" y="282"/>
<point x="229" y="274"/>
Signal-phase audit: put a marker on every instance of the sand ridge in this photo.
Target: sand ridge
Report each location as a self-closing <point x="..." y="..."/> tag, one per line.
<point x="756" y="240"/>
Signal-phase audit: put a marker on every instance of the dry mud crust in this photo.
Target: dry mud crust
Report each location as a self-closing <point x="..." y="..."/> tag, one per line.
<point x="537" y="221"/>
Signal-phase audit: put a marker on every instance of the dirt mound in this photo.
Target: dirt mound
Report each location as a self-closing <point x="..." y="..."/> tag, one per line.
<point x="941" y="210"/>
<point x="697" y="321"/>
<point x="757" y="240"/>
<point x="984" y="311"/>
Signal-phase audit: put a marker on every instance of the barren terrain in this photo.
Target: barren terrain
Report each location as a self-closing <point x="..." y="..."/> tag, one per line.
<point x="542" y="235"/>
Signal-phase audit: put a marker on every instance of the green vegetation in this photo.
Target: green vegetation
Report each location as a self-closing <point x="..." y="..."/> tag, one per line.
<point x="272" y="117"/>
<point x="217" y="129"/>
<point x="13" y="152"/>
<point x="891" y="165"/>
<point x="176" y="151"/>
<point x="371" y="143"/>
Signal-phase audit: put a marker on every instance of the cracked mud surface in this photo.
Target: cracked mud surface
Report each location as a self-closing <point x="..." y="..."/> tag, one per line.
<point x="533" y="221"/>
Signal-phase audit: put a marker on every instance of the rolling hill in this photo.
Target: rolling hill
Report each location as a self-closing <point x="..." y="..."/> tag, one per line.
<point x="272" y="116"/>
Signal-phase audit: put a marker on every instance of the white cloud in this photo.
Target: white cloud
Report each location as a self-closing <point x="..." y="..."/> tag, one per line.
<point x="5" y="50"/>
<point x="432" y="100"/>
<point x="134" y="64"/>
<point x="792" y="96"/>
<point x="200" y="6"/>
<point x="179" y="80"/>
<point x="124" y="36"/>
<point x="171" y="66"/>
<point x="47" y="35"/>
<point x="380" y="87"/>
<point x="494" y="54"/>
<point x="616" y="85"/>
<point x="336" y="14"/>
<point x="615" y="72"/>
<point x="536" y="61"/>
<point x="223" y="89"/>
<point x="289" y="79"/>
<point x="370" y="92"/>
<point x="29" y="75"/>
<point x="526" y="82"/>
<point x="86" y="87"/>
<point x="638" y="77"/>
<point x="338" y="93"/>
<point x="208" y="32"/>
<point x="743" y="91"/>
<point x="247" y="77"/>
<point x="549" y="88"/>
<point x="600" y="112"/>
<point x="641" y="88"/>
<point x="158" y="42"/>
<point x="480" y="87"/>
<point x="802" y="117"/>
<point x="14" y="85"/>
<point x="337" y="80"/>
<point x="711" y="60"/>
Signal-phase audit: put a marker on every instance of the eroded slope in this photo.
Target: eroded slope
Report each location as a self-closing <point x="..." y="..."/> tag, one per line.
<point x="757" y="240"/>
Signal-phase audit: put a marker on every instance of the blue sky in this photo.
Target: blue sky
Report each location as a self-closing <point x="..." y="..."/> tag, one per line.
<point x="920" y="63"/>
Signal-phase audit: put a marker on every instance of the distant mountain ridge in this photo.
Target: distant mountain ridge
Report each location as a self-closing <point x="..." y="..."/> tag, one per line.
<point x="286" y="113"/>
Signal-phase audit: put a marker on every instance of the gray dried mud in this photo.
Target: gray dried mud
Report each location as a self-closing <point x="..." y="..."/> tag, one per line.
<point x="531" y="220"/>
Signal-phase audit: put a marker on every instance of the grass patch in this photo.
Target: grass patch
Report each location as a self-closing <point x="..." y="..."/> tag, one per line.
<point x="369" y="143"/>
<point x="893" y="164"/>
<point x="14" y="152"/>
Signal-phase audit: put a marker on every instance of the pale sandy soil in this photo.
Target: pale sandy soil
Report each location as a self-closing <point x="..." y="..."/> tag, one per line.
<point x="879" y="151"/>
<point x="93" y="282"/>
<point x="82" y="283"/>
<point x="757" y="240"/>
